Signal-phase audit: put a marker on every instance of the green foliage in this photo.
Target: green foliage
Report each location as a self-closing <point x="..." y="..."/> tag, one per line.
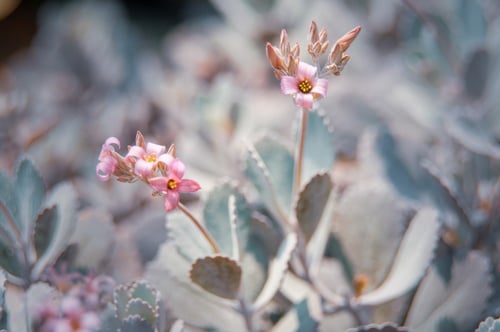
<point x="489" y="325"/>
<point x="35" y="228"/>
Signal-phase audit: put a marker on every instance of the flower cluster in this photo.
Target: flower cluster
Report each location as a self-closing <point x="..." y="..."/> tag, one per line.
<point x="150" y="163"/>
<point x="78" y="309"/>
<point x="300" y="79"/>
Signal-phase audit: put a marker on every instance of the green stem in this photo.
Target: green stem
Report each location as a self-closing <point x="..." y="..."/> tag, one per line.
<point x="202" y="229"/>
<point x="299" y="152"/>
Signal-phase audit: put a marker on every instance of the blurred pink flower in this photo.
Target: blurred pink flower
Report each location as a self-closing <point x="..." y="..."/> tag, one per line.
<point x="173" y="184"/>
<point x="107" y="163"/>
<point x="147" y="159"/>
<point x="304" y="86"/>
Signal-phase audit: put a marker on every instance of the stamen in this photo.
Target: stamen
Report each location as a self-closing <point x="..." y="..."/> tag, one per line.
<point x="305" y="86"/>
<point x="171" y="184"/>
<point x="150" y="158"/>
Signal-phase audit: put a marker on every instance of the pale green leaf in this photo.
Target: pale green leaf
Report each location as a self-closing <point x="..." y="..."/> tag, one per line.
<point x="142" y="309"/>
<point x="414" y="255"/>
<point x="463" y="298"/>
<point x="489" y="325"/>
<point x="319" y="147"/>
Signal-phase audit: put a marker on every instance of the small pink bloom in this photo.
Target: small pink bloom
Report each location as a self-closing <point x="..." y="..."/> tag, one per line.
<point x="173" y="184"/>
<point x="107" y="163"/>
<point x="146" y="160"/>
<point x="304" y="86"/>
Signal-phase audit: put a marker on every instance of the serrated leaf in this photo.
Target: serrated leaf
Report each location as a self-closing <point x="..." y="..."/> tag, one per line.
<point x="473" y="138"/>
<point x="312" y="201"/>
<point x="412" y="259"/>
<point x="261" y="178"/>
<point x="298" y="319"/>
<point x="121" y="297"/>
<point x="45" y="228"/>
<point x="136" y="324"/>
<point x="186" y="237"/>
<point x="489" y="325"/>
<point x="142" y="309"/>
<point x="319" y="147"/>
<point x="9" y="208"/>
<point x="64" y="197"/>
<point x="217" y="216"/>
<point x="143" y="290"/>
<point x="277" y="271"/>
<point x="463" y="298"/>
<point x="387" y="327"/>
<point x="30" y="191"/>
<point x="279" y="162"/>
<point x="218" y="275"/>
<point x="9" y="261"/>
<point x="369" y="222"/>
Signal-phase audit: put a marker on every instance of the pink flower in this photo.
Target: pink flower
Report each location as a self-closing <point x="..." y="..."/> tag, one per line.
<point x="107" y="163"/>
<point x="304" y="86"/>
<point x="147" y="159"/>
<point x="173" y="184"/>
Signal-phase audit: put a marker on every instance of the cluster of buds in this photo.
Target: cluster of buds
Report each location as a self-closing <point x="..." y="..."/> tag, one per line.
<point x="79" y="307"/>
<point x="303" y="81"/>
<point x="150" y="163"/>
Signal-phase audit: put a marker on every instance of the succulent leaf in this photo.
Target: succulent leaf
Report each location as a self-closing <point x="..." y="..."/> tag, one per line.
<point x="311" y="204"/>
<point x="141" y="308"/>
<point x="30" y="191"/>
<point x="319" y="134"/>
<point x="121" y="297"/>
<point x="277" y="271"/>
<point x="489" y="325"/>
<point x="45" y="229"/>
<point x="9" y="208"/>
<point x="387" y="327"/>
<point x="141" y="289"/>
<point x="414" y="255"/>
<point x="299" y="319"/>
<point x="218" y="275"/>
<point x="218" y="213"/>
<point x="9" y="261"/>
<point x="136" y="323"/>
<point x="64" y="196"/>
<point x="463" y="298"/>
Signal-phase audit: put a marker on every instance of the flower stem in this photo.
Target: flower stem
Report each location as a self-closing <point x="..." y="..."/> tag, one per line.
<point x="299" y="152"/>
<point x="202" y="229"/>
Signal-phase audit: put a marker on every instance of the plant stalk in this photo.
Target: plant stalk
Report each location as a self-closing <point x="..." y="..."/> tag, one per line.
<point x="202" y="229"/>
<point x="299" y="152"/>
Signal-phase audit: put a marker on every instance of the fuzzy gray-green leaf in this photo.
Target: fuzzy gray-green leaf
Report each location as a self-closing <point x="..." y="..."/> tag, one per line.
<point x="136" y="323"/>
<point x="143" y="290"/>
<point x="463" y="298"/>
<point x="218" y="275"/>
<point x="311" y="203"/>
<point x="141" y="308"/>
<point x="319" y="147"/>
<point x="9" y="207"/>
<point x="489" y="325"/>
<point x="30" y="190"/>
<point x="9" y="261"/>
<point x="64" y="196"/>
<point x="217" y="217"/>
<point x="45" y="228"/>
<point x="121" y="297"/>
<point x="387" y="327"/>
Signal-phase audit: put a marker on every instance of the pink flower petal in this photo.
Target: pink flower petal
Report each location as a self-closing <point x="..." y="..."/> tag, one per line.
<point x="143" y="168"/>
<point x="166" y="158"/>
<point x="304" y="100"/>
<point x="156" y="149"/>
<point x="112" y="140"/>
<point x="177" y="167"/>
<point x="306" y="71"/>
<point x="289" y="85"/>
<point x="171" y="200"/>
<point x="135" y="151"/>
<point x="188" y="186"/>
<point x="159" y="183"/>
<point x="320" y="87"/>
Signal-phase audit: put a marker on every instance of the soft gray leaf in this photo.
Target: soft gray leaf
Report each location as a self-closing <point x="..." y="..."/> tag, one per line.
<point x="311" y="204"/>
<point x="319" y="147"/>
<point x="45" y="229"/>
<point x="387" y="327"/>
<point x="414" y="255"/>
<point x="217" y="216"/>
<point x="9" y="208"/>
<point x="9" y="260"/>
<point x="64" y="196"/>
<point x="277" y="270"/>
<point x="489" y="325"/>
<point x="30" y="190"/>
<point x="136" y="323"/>
<point x="463" y="298"/>
<point x="143" y="290"/>
<point x="142" y="309"/>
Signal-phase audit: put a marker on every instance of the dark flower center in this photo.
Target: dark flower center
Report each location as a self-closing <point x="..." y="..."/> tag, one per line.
<point x="304" y="86"/>
<point x="171" y="184"/>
